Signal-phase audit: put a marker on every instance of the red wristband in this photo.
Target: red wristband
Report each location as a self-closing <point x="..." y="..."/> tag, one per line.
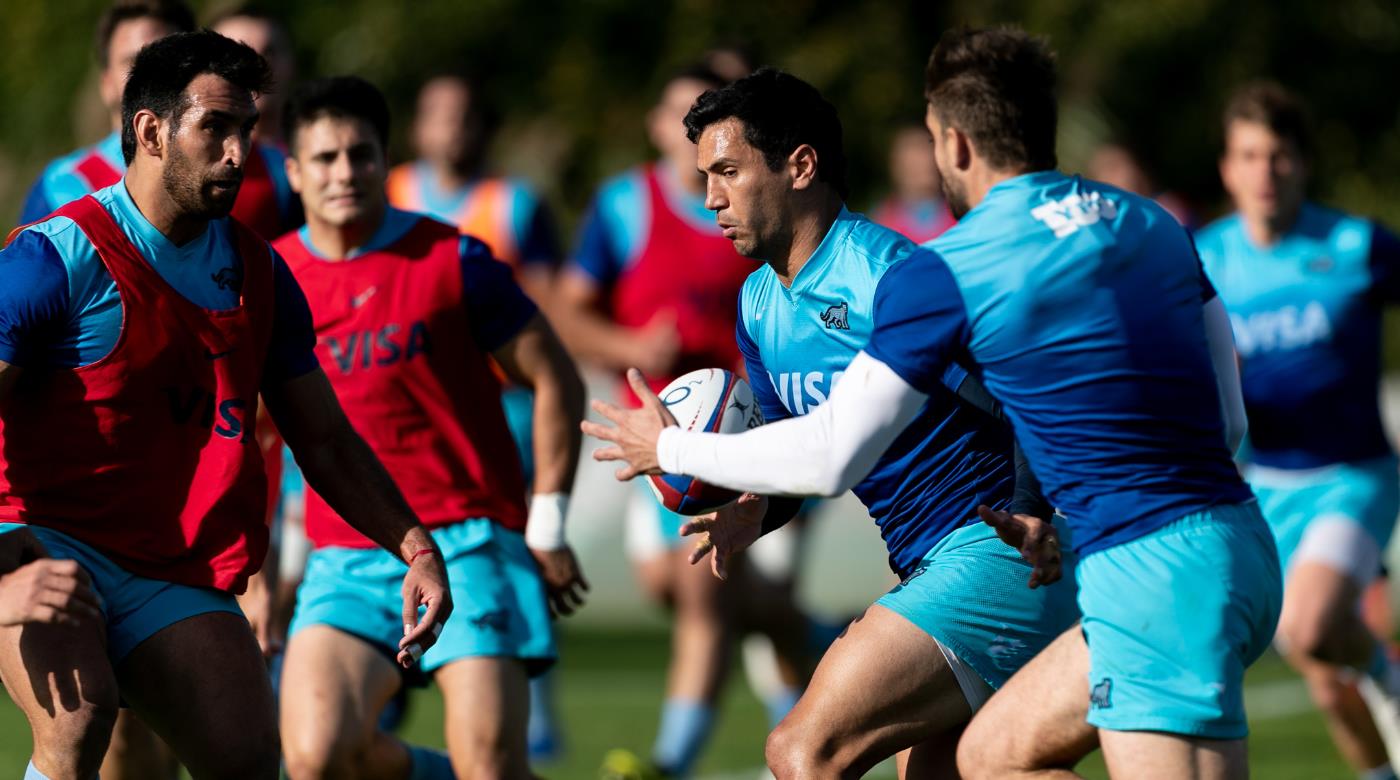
<point x="424" y="551"/>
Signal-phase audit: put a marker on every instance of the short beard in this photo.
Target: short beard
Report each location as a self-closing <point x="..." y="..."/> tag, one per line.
<point x="954" y="195"/>
<point x="192" y="194"/>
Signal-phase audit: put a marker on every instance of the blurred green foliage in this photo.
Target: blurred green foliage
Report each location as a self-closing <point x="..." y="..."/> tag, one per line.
<point x="574" y="79"/>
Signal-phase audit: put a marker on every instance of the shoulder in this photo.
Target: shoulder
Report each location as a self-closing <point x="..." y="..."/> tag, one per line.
<point x="1346" y="233"/>
<point x="878" y="246"/>
<point x="621" y="193"/>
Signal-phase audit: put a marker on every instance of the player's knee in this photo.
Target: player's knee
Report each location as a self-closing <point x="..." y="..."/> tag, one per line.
<point x="74" y="742"/>
<point x="313" y="754"/>
<point x="254" y="753"/>
<point x="977" y="755"/>
<point x="793" y="750"/>
<point x="1311" y="639"/>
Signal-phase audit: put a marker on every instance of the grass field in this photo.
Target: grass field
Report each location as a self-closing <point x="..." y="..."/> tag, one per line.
<point x="611" y="684"/>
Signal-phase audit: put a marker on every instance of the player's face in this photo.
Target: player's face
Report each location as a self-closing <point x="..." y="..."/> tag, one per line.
<point x="749" y="199"/>
<point x="262" y="37"/>
<point x="203" y="167"/>
<point x="666" y="121"/>
<point x="945" y="163"/>
<point x="339" y="169"/>
<point x="128" y="38"/>
<point x="913" y="171"/>
<point x="445" y="129"/>
<point x="1264" y="173"/>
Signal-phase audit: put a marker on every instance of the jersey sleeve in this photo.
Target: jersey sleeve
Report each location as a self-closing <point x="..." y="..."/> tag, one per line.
<point x="33" y="298"/>
<point x="534" y="231"/>
<point x="36" y="203"/>
<point x="763" y="390"/>
<point x="496" y="305"/>
<point x="596" y="255"/>
<point x="292" y="353"/>
<point x="1207" y="289"/>
<point x="920" y="321"/>
<point x="1385" y="264"/>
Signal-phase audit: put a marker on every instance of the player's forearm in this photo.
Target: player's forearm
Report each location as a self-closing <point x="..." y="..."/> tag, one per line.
<point x="559" y="399"/>
<point x="592" y="338"/>
<point x="347" y="474"/>
<point x="823" y="453"/>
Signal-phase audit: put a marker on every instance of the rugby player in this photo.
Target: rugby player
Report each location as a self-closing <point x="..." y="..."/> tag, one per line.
<point x="962" y="620"/>
<point x="652" y="284"/>
<point x="138" y="332"/>
<point x="1084" y="311"/>
<point x="1305" y="287"/>
<point x="406" y="312"/>
<point x="915" y="208"/>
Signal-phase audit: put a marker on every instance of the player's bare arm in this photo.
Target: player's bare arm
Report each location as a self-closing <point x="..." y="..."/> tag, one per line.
<point x="637" y="432"/>
<point x="341" y="467"/>
<point x="536" y="359"/>
<point x="37" y="589"/>
<point x="592" y="337"/>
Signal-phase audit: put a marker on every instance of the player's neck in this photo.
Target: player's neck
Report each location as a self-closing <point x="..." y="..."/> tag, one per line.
<point x="337" y="242"/>
<point x="809" y="229"/>
<point x="1265" y="231"/>
<point x="452" y="176"/>
<point x="981" y="179"/>
<point x="148" y="193"/>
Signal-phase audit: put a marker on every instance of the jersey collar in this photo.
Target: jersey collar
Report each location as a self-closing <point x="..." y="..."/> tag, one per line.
<point x="830" y="246"/>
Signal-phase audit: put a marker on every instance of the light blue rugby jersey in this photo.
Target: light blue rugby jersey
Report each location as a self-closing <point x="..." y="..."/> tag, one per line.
<point x="1082" y="306"/>
<point x="798" y="341"/>
<point x="1307" y="319"/>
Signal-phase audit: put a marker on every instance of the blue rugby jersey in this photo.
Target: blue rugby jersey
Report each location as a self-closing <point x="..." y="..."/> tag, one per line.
<point x="797" y="341"/>
<point x="1081" y="305"/>
<point x="1307" y="319"/>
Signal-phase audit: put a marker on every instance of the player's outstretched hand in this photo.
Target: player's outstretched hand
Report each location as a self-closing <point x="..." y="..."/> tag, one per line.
<point x="1036" y="539"/>
<point x="726" y="531"/>
<point x="425" y="585"/>
<point x="636" y="432"/>
<point x="47" y="591"/>
<point x="563" y="579"/>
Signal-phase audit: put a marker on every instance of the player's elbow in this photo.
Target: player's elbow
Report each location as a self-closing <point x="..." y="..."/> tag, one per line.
<point x="829" y="477"/>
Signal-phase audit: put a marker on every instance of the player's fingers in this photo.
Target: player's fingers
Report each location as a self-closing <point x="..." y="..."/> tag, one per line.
<point x="698" y="525"/>
<point x="992" y="517"/>
<point x="608" y="453"/>
<point x="613" y="413"/>
<point x="626" y="473"/>
<point x="639" y="385"/>
<point x="720" y="566"/>
<point x="597" y="430"/>
<point x="702" y="548"/>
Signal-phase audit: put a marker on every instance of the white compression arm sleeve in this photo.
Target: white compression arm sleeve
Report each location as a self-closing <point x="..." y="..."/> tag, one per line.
<point x="823" y="453"/>
<point x="1227" y="372"/>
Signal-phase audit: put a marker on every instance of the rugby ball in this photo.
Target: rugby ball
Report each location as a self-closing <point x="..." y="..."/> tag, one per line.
<point x="712" y="400"/>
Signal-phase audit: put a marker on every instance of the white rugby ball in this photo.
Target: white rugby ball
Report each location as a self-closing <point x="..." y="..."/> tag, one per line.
<point x="713" y="400"/>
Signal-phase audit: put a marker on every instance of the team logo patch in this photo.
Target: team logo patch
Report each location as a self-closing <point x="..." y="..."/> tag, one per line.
<point x="1101" y="697"/>
<point x="837" y="317"/>
<point x="1321" y="265"/>
<point x="496" y="621"/>
<point x="228" y="278"/>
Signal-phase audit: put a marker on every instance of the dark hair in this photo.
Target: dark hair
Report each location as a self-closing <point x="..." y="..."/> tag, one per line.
<point x="256" y="12"/>
<point x="173" y="13"/>
<point x="342" y="97"/>
<point x="998" y="87"/>
<point x="478" y="107"/>
<point x="165" y="68"/>
<point x="780" y="112"/>
<point x="1270" y="104"/>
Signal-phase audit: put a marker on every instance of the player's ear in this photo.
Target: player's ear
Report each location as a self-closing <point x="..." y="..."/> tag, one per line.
<point x="962" y="148"/>
<point x="293" y="169"/>
<point x="148" y="132"/>
<point x="802" y="165"/>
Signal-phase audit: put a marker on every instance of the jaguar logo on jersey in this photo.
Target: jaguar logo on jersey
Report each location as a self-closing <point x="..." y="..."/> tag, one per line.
<point x="837" y="317"/>
<point x="382" y="347"/>
<point x="228" y="278"/>
<point x="1069" y="214"/>
<point x="1285" y="328"/>
<point x="1101" y="697"/>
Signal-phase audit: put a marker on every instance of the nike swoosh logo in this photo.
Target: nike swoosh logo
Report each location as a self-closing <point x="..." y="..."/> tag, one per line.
<point x="363" y="298"/>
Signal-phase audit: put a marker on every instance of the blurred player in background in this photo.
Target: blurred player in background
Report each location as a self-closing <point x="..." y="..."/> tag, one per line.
<point x="1116" y="164"/>
<point x="1116" y="367"/>
<point x="915" y="208"/>
<point x="141" y="330"/>
<point x="453" y="126"/>
<point x="1306" y="287"/>
<point x="406" y="312"/>
<point x="653" y="284"/>
<point x="908" y="673"/>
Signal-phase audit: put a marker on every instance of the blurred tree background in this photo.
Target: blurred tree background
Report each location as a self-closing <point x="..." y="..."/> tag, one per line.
<point x="572" y="80"/>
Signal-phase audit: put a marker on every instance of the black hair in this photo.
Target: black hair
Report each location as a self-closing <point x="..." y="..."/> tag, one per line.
<point x="780" y="112"/>
<point x="478" y="107"/>
<point x="998" y="87"/>
<point x="342" y="97"/>
<point x="165" y="68"/>
<point x="175" y="14"/>
<point x="1273" y="106"/>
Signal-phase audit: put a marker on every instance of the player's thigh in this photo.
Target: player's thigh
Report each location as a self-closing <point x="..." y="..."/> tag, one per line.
<point x="883" y="686"/>
<point x="1152" y="754"/>
<point x="1037" y="719"/>
<point x="60" y="677"/>
<point x="202" y="685"/>
<point x="1317" y="600"/>
<point x="332" y="689"/>
<point x="136" y="753"/>
<point x="486" y="703"/>
<point x="934" y="759"/>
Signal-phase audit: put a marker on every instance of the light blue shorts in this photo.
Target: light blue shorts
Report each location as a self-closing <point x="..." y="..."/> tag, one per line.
<point x="970" y="594"/>
<point x="1366" y="493"/>
<point x="498" y="597"/>
<point x="519" y="406"/>
<point x="135" y="608"/>
<point x="1173" y="618"/>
